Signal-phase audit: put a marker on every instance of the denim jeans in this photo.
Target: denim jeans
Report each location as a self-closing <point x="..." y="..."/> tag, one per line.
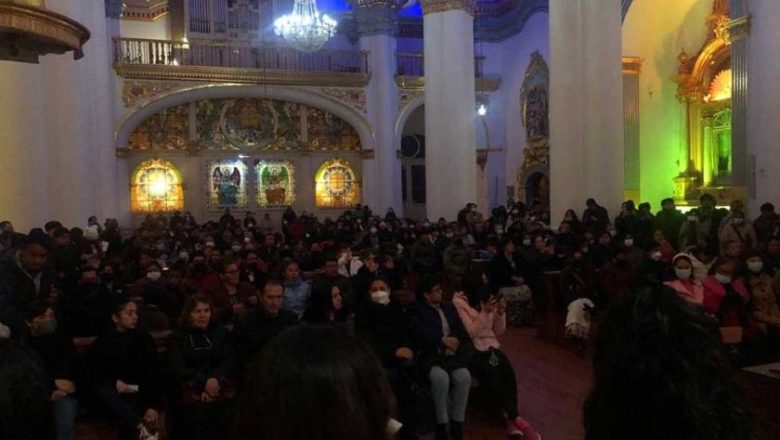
<point x="65" y="411"/>
<point x="450" y="404"/>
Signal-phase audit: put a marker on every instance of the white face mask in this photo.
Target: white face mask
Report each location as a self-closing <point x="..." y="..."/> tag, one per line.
<point x="755" y="266"/>
<point x="723" y="279"/>
<point x="236" y="248"/>
<point x="628" y="242"/>
<point x="527" y="242"/>
<point x="381" y="297"/>
<point x="373" y="230"/>
<point x="184" y="256"/>
<point x="448" y="235"/>
<point x="209" y="244"/>
<point x="154" y="276"/>
<point x="247" y="240"/>
<point x="655" y="256"/>
<point x="683" y="274"/>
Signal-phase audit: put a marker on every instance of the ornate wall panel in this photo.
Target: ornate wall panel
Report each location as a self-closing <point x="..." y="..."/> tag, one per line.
<point x="227" y="184"/>
<point x="275" y="183"/>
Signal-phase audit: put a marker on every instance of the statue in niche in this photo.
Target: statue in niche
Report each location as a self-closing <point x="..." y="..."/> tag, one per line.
<point x="226" y="185"/>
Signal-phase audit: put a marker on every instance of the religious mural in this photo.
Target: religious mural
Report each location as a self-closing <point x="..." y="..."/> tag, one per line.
<point x="246" y="124"/>
<point x="336" y="185"/>
<point x="275" y="183"/>
<point x="166" y="130"/>
<point x="227" y="184"/>
<point x="156" y="186"/>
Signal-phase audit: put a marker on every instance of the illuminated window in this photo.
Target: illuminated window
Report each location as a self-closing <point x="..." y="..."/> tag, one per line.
<point x="275" y="183"/>
<point x="156" y="187"/>
<point x="227" y="184"/>
<point x="336" y="185"/>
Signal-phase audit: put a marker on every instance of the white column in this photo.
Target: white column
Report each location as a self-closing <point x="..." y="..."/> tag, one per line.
<point x="586" y="105"/>
<point x="763" y="115"/>
<point x="450" y="113"/>
<point x="54" y="127"/>
<point x="382" y="173"/>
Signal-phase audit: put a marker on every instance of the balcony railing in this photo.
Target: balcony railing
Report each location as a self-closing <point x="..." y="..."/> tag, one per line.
<point x="413" y="64"/>
<point x="134" y="57"/>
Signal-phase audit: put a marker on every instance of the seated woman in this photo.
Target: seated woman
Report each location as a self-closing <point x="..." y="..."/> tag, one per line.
<point x="659" y="373"/>
<point x="384" y="325"/>
<point x="58" y="356"/>
<point x="353" y="401"/>
<point x="124" y="367"/>
<point x="203" y="365"/>
<point x="445" y="353"/>
<point x="326" y="305"/>
<point x="725" y="295"/>
<point x="683" y="283"/>
<point x="490" y="365"/>
<point x="765" y="311"/>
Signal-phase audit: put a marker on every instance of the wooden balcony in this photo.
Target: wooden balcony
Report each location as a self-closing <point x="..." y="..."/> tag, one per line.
<point x="136" y="58"/>
<point x="410" y="72"/>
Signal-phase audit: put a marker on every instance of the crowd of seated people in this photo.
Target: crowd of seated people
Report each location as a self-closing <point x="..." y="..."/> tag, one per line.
<point x="429" y="298"/>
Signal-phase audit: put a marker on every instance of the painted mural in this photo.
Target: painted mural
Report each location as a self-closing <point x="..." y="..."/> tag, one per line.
<point x="227" y="184"/>
<point x="166" y="130"/>
<point x="245" y="124"/>
<point x="275" y="183"/>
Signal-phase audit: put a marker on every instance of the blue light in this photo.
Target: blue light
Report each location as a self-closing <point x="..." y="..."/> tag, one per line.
<point x="333" y="5"/>
<point x="413" y="11"/>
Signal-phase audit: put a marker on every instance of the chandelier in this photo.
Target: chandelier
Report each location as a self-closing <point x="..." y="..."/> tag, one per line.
<point x="305" y="28"/>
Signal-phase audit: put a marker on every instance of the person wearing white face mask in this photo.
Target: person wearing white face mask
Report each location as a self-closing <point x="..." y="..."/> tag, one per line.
<point x="384" y="325"/>
<point x="764" y="302"/>
<point x="684" y="283"/>
<point x="725" y="295"/>
<point x="737" y="229"/>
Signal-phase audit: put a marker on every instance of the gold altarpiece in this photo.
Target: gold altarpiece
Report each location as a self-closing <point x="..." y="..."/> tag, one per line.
<point x="705" y="91"/>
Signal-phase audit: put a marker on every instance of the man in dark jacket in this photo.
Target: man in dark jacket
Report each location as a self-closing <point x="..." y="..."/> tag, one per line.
<point x="256" y="327"/>
<point x="24" y="278"/>
<point x="444" y="347"/>
<point x="669" y="221"/>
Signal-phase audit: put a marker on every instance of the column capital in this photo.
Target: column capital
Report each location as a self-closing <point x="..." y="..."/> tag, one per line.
<point x="435" y="6"/>
<point x="738" y="28"/>
<point x="378" y="17"/>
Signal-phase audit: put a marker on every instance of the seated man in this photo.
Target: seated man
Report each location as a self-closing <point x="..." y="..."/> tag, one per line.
<point x="445" y="352"/>
<point x="256" y="327"/>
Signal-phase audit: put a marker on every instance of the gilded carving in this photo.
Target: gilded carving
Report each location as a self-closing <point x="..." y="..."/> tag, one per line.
<point x="435" y="6"/>
<point x="328" y="132"/>
<point x="355" y="98"/>
<point x="534" y="106"/>
<point x="135" y="93"/>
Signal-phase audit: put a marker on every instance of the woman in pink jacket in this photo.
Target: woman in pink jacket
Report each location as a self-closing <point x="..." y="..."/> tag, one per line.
<point x="490" y="365"/>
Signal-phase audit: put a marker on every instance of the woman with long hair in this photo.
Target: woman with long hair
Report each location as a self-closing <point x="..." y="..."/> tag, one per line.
<point x="659" y="373"/>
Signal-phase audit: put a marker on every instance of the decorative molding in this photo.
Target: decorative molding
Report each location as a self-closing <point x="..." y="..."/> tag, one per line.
<point x="30" y="31"/>
<point x="632" y="65"/>
<point x="136" y="93"/>
<point x="436" y="6"/>
<point x="738" y="28"/>
<point x="243" y="76"/>
<point x="355" y="98"/>
<point x="418" y="83"/>
<point x="143" y="10"/>
<point x="407" y="96"/>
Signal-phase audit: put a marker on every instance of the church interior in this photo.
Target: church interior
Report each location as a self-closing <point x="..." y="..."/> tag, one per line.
<point x="579" y="191"/>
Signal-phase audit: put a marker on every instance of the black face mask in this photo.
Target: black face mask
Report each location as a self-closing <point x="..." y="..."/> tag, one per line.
<point x="108" y="277"/>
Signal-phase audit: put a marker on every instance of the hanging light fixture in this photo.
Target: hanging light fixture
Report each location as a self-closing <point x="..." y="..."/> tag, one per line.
<point x="305" y="28"/>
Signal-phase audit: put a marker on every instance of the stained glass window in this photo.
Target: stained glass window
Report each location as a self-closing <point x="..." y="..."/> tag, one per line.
<point x="336" y="185"/>
<point x="156" y="187"/>
<point x="227" y="184"/>
<point x="275" y="182"/>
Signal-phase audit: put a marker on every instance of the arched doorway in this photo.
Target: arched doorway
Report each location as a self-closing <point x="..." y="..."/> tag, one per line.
<point x="413" y="165"/>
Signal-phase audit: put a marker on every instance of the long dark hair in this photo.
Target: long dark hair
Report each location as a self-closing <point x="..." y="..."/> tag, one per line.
<point x="315" y="382"/>
<point x="25" y="409"/>
<point x="659" y="373"/>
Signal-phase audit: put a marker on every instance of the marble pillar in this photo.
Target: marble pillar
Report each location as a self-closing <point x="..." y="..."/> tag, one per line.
<point x="763" y="112"/>
<point x="56" y="130"/>
<point x="450" y="111"/>
<point x="586" y="105"/>
<point x="382" y="172"/>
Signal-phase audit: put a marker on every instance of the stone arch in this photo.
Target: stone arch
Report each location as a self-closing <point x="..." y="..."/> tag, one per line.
<point x="352" y="116"/>
<point x="404" y="115"/>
